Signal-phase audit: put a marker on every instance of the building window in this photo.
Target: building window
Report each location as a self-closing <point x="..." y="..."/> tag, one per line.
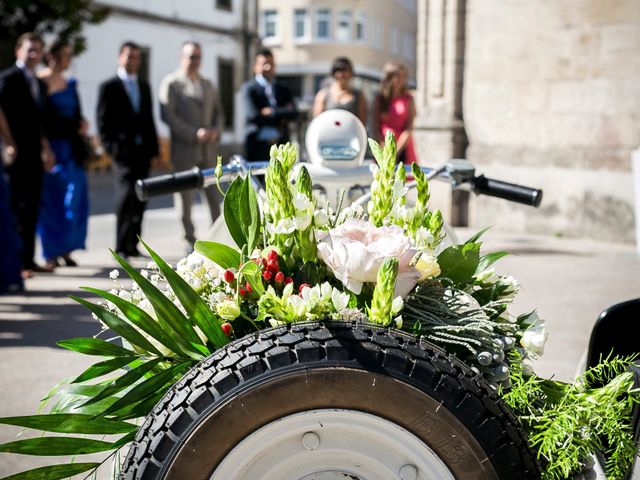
<point x="224" y="5"/>
<point x="300" y="23"/>
<point x="270" y="24"/>
<point x="323" y="23"/>
<point x="394" y="41"/>
<point x="226" y="90"/>
<point x="361" y="22"/>
<point x="343" y="30"/>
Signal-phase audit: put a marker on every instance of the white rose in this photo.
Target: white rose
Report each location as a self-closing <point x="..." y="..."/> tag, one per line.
<point x="355" y="250"/>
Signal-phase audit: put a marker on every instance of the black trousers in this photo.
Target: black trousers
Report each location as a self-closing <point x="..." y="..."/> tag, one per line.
<point x="129" y="210"/>
<point x="26" y="190"/>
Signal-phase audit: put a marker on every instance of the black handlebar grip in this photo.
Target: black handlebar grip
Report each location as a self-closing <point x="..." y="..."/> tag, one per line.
<point x="169" y="183"/>
<point x="509" y="191"/>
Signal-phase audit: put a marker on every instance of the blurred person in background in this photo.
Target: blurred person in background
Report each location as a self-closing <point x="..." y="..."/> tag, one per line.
<point x="64" y="207"/>
<point x="22" y="98"/>
<point x="10" y="266"/>
<point x="395" y="110"/>
<point x="190" y="105"/>
<point x="128" y="134"/>
<point x="340" y="94"/>
<point x="268" y="107"/>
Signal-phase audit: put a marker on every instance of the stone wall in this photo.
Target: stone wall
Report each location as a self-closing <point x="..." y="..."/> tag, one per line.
<point x="551" y="98"/>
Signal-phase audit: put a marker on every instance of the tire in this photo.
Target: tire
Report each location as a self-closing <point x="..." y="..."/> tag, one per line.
<point x="333" y="400"/>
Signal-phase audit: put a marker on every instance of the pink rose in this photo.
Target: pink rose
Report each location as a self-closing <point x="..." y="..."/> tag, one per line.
<point x="355" y="250"/>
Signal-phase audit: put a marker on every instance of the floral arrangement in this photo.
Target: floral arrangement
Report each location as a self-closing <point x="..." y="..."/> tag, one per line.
<point x="298" y="261"/>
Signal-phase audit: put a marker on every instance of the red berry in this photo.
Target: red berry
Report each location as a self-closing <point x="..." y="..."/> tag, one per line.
<point x="227" y="328"/>
<point x="248" y="288"/>
<point x="273" y="255"/>
<point x="228" y="276"/>
<point x="242" y="292"/>
<point x="279" y="277"/>
<point x="288" y="280"/>
<point x="272" y="265"/>
<point x="264" y="262"/>
<point x="267" y="275"/>
<point x="303" y="286"/>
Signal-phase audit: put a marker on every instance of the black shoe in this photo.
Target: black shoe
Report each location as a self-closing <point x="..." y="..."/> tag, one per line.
<point x="40" y="269"/>
<point x="134" y="253"/>
<point x="68" y="261"/>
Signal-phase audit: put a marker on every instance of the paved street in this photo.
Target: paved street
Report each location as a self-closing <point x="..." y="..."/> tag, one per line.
<point x="569" y="281"/>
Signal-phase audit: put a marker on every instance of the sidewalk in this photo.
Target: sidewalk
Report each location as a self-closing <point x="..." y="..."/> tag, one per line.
<point x="569" y="281"/>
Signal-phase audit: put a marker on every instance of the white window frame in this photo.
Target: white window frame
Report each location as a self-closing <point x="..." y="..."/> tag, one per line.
<point x="306" y="23"/>
<point x="271" y="39"/>
<point x="323" y="14"/>
<point x="344" y="26"/>
<point x="360" y="25"/>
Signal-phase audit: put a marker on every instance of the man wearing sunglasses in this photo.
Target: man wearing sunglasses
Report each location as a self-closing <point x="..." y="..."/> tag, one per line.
<point x="191" y="107"/>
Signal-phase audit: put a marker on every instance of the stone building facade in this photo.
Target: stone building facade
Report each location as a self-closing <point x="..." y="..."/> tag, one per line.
<point x="541" y="93"/>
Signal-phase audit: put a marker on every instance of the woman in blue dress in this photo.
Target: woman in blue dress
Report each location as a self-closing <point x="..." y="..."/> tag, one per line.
<point x="64" y="209"/>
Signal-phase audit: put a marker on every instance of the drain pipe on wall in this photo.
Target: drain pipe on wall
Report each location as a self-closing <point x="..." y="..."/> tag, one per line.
<point x="635" y="168"/>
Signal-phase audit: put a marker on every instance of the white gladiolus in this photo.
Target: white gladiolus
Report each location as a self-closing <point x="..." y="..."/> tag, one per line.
<point x="399" y="190"/>
<point x="488" y="276"/>
<point x="301" y="202"/>
<point x="339" y="299"/>
<point x="321" y="218"/>
<point x="303" y="221"/>
<point x="285" y="226"/>
<point x="396" y="305"/>
<point x="534" y="338"/>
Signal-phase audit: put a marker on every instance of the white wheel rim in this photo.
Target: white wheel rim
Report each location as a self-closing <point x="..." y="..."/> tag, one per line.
<point x="332" y="444"/>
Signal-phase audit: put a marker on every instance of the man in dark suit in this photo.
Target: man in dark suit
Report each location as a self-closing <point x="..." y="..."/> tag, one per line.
<point x="128" y="133"/>
<point x="268" y="108"/>
<point x="22" y="98"/>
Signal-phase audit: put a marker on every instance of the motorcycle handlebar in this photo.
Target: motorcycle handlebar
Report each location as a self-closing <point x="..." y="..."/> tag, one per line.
<point x="169" y="183"/>
<point x="507" y="191"/>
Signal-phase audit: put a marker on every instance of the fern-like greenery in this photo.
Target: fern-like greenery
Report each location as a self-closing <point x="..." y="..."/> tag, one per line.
<point x="568" y="423"/>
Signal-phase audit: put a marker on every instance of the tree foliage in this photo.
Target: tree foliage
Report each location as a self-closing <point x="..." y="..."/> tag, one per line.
<point x="61" y="18"/>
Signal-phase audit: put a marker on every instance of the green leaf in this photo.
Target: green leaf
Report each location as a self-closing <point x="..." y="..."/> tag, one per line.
<point x="70" y="423"/>
<point x="233" y="213"/>
<point x="145" y="322"/>
<point x="252" y="273"/>
<point x="143" y="408"/>
<point x="124" y="381"/>
<point x="50" y="446"/>
<point x="222" y="255"/>
<point x="118" y="325"/>
<point x="53" y="472"/>
<point x="147" y="388"/>
<point x="194" y="305"/>
<point x="458" y="263"/>
<point x="168" y="314"/>
<point x="95" y="346"/>
<point x="250" y="214"/>
<point x="102" y="368"/>
<point x="475" y="237"/>
<point x="489" y="259"/>
<point x="122" y="441"/>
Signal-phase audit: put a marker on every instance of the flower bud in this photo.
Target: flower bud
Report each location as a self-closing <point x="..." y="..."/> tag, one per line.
<point x="279" y="278"/>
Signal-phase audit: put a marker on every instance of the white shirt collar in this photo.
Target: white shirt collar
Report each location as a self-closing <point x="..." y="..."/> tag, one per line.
<point x="124" y="76"/>
<point x="263" y="81"/>
<point x="21" y="65"/>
